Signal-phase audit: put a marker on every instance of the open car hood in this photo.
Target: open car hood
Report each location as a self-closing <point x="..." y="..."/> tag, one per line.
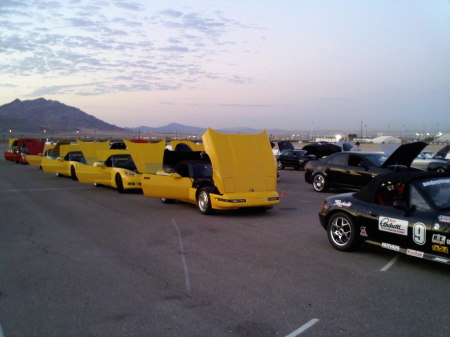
<point x="284" y="145"/>
<point x="186" y="145"/>
<point x="90" y="150"/>
<point x="442" y="153"/>
<point x="148" y="157"/>
<point x="322" y="149"/>
<point x="66" y="148"/>
<point x="241" y="163"/>
<point x="405" y="154"/>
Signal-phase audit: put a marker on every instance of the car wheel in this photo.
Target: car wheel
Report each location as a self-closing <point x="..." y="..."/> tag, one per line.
<point x="167" y="201"/>
<point x="320" y="182"/>
<point x="73" y="174"/>
<point x="204" y="202"/>
<point x="119" y="184"/>
<point x="440" y="170"/>
<point x="341" y="232"/>
<point x="280" y="165"/>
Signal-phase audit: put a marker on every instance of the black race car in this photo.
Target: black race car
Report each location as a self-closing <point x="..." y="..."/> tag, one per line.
<point x="406" y="212"/>
<point x="353" y="170"/>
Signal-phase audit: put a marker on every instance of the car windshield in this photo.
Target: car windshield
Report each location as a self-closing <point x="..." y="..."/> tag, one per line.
<point x="437" y="191"/>
<point x="376" y="159"/>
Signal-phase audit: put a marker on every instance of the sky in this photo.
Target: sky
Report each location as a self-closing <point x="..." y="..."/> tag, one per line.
<point x="286" y="64"/>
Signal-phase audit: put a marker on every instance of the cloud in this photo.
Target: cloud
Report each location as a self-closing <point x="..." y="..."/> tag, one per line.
<point x="110" y="42"/>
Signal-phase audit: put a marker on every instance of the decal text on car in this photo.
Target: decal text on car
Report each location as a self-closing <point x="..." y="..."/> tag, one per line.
<point x="391" y="225"/>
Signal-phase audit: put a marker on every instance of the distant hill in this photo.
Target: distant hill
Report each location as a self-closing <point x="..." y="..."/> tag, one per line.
<point x="42" y="114"/>
<point x="174" y="128"/>
<point x="171" y="128"/>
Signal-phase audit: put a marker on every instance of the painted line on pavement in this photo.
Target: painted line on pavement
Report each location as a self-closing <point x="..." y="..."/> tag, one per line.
<point x="183" y="257"/>
<point x="1" y="331"/>
<point x="303" y="328"/>
<point x="42" y="189"/>
<point x="390" y="264"/>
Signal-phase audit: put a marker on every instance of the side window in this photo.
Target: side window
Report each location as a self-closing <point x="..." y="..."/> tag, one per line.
<point x="417" y="200"/>
<point x="356" y="161"/>
<point x="339" y="159"/>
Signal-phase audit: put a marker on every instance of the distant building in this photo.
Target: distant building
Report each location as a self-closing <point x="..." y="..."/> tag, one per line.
<point x="386" y="140"/>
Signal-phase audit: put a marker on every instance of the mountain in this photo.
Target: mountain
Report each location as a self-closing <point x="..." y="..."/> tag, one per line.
<point x="42" y="114"/>
<point x="171" y="128"/>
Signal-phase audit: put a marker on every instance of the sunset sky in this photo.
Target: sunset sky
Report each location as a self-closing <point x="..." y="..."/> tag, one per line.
<point x="293" y="64"/>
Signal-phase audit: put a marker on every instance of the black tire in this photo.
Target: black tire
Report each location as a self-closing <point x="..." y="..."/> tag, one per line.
<point x="167" y="201"/>
<point x="119" y="184"/>
<point x="280" y="165"/>
<point x="73" y="174"/>
<point x="204" y="201"/>
<point x="320" y="183"/>
<point x="341" y="232"/>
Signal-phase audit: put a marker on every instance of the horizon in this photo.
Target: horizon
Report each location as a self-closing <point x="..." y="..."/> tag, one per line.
<point x="351" y="65"/>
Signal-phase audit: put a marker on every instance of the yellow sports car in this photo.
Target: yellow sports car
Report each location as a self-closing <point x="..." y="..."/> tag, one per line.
<point x="113" y="168"/>
<point x="68" y="156"/>
<point x="36" y="159"/>
<point x="234" y="171"/>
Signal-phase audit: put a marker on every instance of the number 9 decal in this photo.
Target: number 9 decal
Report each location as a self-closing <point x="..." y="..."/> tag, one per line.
<point x="419" y="233"/>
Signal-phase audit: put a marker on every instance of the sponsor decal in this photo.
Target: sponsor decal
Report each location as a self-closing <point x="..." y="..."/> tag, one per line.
<point x="342" y="204"/>
<point x="391" y="225"/>
<point x="415" y="253"/>
<point x="363" y="231"/>
<point x="390" y="246"/>
<point x="444" y="218"/>
<point x="441" y="259"/>
<point x="419" y="233"/>
<point x="436" y="226"/>
<point x="440" y="249"/>
<point x="435" y="182"/>
<point x="448" y="241"/>
<point x="439" y="239"/>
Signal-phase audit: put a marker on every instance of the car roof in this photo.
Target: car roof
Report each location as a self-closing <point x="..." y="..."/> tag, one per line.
<point x="368" y="192"/>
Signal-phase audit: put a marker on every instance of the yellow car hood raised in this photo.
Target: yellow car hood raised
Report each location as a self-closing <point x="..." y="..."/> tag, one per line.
<point x="66" y="148"/>
<point x="90" y="150"/>
<point x="148" y="157"/>
<point x="241" y="163"/>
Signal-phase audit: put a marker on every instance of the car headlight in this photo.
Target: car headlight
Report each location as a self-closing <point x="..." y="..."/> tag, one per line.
<point x="129" y="173"/>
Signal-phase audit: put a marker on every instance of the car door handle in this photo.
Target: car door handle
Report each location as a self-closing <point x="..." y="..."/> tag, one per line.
<point x="373" y="214"/>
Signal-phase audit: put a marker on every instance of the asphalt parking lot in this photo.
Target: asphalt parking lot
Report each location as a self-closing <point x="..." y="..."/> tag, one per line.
<point x="78" y="260"/>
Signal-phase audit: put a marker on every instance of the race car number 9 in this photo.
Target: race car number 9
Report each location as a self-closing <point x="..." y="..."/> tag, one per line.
<point x="419" y="233"/>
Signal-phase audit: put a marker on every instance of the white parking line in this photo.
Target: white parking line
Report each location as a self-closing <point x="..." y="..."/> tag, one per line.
<point x="1" y="331"/>
<point x="390" y="264"/>
<point x="183" y="258"/>
<point x="42" y="189"/>
<point x="303" y="328"/>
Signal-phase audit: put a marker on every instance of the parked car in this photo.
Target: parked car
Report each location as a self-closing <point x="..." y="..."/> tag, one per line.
<point x="438" y="162"/>
<point x="63" y="162"/>
<point x="234" y="171"/>
<point x="353" y="170"/>
<point x="289" y="156"/>
<point x="19" y="148"/>
<point x="407" y="212"/>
